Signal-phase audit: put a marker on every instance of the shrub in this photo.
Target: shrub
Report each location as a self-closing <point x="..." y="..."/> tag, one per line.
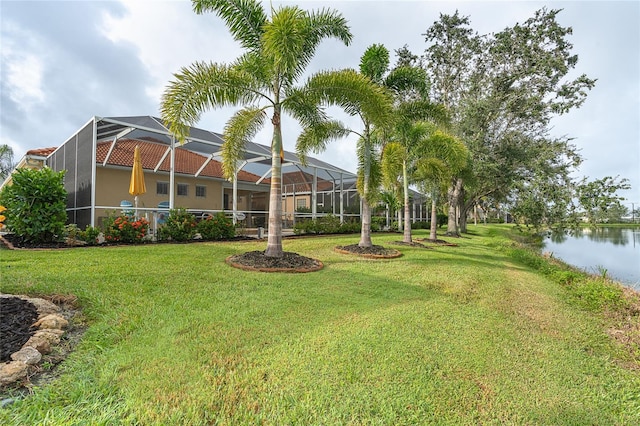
<point x="90" y="235"/>
<point x="217" y="227"/>
<point x="420" y="225"/>
<point x="305" y="226"/>
<point x="72" y="231"/>
<point x="36" y="205"/>
<point x="180" y="226"/>
<point x="329" y="224"/>
<point x="125" y="229"/>
<point x="378" y="223"/>
<point x="349" y="227"/>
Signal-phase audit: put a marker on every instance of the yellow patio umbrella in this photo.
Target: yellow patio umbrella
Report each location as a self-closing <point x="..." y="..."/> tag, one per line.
<point x="137" y="186"/>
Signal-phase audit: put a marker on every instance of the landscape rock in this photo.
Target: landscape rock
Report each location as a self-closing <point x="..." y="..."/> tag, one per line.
<point x="28" y="355"/>
<point x="51" y="321"/>
<point x="42" y="340"/>
<point x="72" y="242"/>
<point x="44" y="307"/>
<point x="12" y="372"/>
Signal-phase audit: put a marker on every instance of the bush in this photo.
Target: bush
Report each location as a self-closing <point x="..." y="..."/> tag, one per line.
<point x="349" y="227"/>
<point x="420" y="225"/>
<point x="36" y="203"/>
<point x="180" y="226"/>
<point x="217" y="227"/>
<point x="442" y="219"/>
<point x="329" y="224"/>
<point x="378" y="223"/>
<point x="125" y="229"/>
<point x="90" y="235"/>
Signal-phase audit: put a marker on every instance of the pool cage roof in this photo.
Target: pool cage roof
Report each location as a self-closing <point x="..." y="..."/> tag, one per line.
<point x="257" y="157"/>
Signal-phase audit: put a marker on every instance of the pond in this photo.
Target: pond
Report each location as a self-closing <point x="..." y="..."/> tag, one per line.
<point x="611" y="250"/>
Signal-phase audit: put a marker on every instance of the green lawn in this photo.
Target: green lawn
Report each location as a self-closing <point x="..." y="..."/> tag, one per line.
<point x="454" y="335"/>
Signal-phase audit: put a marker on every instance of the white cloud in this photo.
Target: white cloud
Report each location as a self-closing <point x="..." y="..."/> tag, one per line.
<point x="23" y="69"/>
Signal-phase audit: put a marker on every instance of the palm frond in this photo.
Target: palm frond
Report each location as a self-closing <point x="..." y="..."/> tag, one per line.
<point x="293" y="35"/>
<point x="202" y="86"/>
<point x="406" y="81"/>
<point x="353" y="92"/>
<point x="283" y="40"/>
<point x="320" y="25"/>
<point x="425" y="110"/>
<point x="304" y="107"/>
<point x="316" y="137"/>
<point x="244" y="18"/>
<point x="240" y="129"/>
<point x="391" y="159"/>
<point x="255" y="65"/>
<point x="374" y="63"/>
<point x="369" y="170"/>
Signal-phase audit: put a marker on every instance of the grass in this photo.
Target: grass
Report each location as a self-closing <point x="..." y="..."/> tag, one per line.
<point x="479" y="333"/>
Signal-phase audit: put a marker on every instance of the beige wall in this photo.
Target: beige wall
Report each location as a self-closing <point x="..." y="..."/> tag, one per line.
<point x="288" y="204"/>
<point x="112" y="186"/>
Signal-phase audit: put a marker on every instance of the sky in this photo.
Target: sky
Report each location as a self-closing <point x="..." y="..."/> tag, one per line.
<point x="63" y="62"/>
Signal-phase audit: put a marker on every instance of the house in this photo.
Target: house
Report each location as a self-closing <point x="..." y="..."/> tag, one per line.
<point x="98" y="160"/>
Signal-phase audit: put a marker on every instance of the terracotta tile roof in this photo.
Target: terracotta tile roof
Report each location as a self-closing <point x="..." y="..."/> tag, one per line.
<point x="304" y="181"/>
<point x="186" y="162"/>
<point x="42" y="152"/>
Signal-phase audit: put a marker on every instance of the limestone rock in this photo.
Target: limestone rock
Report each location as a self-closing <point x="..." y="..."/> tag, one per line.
<point x="51" y="321"/>
<point x="55" y="331"/>
<point x="28" y="355"/>
<point x="73" y="242"/>
<point x="44" y="307"/>
<point x="40" y="343"/>
<point x="13" y="371"/>
<point x="42" y="340"/>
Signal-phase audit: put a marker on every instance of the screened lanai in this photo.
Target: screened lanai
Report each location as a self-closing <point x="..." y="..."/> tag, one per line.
<point x="104" y="143"/>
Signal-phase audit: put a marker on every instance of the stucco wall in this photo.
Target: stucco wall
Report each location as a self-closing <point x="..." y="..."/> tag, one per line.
<point x="112" y="186"/>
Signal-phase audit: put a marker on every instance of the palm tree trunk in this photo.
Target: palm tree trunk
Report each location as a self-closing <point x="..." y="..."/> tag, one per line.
<point x="433" y="236"/>
<point x="454" y="193"/>
<point x="274" y="239"/>
<point x="365" y="232"/>
<point x="407" y="219"/>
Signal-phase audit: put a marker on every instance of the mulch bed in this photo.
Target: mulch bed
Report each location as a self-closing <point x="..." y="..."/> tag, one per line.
<point x="411" y="244"/>
<point x="16" y="319"/>
<point x="288" y="262"/>
<point x="373" y="252"/>
<point x="438" y="242"/>
<point x="16" y="325"/>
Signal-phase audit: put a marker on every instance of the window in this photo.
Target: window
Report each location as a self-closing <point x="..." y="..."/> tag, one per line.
<point x="183" y="189"/>
<point x="201" y="191"/>
<point x="162" y="188"/>
<point x="301" y="202"/>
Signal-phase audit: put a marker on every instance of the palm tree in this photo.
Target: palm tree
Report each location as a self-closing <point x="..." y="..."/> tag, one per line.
<point x="372" y="111"/>
<point x="278" y="49"/>
<point x="441" y="157"/>
<point x="412" y="135"/>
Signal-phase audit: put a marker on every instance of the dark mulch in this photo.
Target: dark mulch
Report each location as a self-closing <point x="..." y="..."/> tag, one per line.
<point x="374" y="251"/>
<point x="411" y="244"/>
<point x="16" y="319"/>
<point x="438" y="242"/>
<point x="19" y="242"/>
<point x="16" y="322"/>
<point x="288" y="262"/>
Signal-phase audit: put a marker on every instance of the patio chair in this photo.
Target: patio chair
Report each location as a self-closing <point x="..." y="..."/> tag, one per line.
<point x="127" y="207"/>
<point x="161" y="215"/>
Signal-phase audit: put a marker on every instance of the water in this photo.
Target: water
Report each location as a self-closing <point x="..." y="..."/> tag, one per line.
<point x="614" y="250"/>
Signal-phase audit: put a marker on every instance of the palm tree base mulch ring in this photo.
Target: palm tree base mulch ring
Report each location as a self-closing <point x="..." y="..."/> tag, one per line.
<point x="259" y="262"/>
<point x="411" y="244"/>
<point x="439" y="242"/>
<point x="373" y="252"/>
